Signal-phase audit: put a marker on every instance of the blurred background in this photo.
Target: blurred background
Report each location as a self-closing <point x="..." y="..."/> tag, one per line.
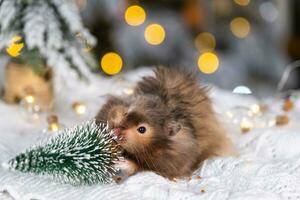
<point x="229" y="42"/>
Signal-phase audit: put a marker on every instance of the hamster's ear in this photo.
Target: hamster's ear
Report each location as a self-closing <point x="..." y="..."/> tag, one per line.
<point x="173" y="128"/>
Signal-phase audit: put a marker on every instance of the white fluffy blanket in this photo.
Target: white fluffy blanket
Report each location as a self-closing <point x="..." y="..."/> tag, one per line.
<point x="268" y="166"/>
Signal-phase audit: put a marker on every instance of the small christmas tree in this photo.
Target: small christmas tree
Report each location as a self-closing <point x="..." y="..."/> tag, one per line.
<point x="81" y="155"/>
<point x="52" y="32"/>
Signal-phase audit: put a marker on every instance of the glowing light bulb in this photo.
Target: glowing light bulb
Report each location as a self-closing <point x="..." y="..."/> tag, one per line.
<point x="135" y="15"/>
<point x="242" y="2"/>
<point x="208" y="62"/>
<point x="111" y="63"/>
<point x="205" y="42"/>
<point x="154" y="34"/>
<point x="240" y="27"/>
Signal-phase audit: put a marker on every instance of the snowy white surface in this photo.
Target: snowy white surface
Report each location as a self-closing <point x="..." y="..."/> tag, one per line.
<point x="268" y="166"/>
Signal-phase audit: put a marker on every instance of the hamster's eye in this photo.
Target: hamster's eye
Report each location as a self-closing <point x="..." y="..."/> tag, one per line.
<point x="141" y="129"/>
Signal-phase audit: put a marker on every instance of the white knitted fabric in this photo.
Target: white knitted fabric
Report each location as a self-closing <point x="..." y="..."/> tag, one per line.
<point x="268" y="166"/>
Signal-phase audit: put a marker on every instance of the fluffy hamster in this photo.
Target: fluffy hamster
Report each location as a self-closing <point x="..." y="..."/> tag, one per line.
<point x="168" y="126"/>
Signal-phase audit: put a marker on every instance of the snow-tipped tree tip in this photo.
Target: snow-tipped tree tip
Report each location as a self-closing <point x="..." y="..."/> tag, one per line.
<point x="84" y="154"/>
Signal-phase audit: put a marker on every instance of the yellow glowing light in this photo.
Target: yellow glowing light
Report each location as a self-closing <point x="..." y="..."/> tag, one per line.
<point x="111" y="63"/>
<point x="205" y="42"/>
<point x="135" y="15"/>
<point x="208" y="63"/>
<point x="240" y="27"/>
<point x="128" y="91"/>
<point x="15" y="46"/>
<point x="79" y="108"/>
<point x="53" y="127"/>
<point x="255" y="109"/>
<point x="154" y="34"/>
<point x="29" y="99"/>
<point x="242" y="2"/>
<point x="246" y="125"/>
<point x="53" y="124"/>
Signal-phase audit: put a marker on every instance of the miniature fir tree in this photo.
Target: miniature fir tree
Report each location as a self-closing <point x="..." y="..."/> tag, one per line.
<point x="52" y="33"/>
<point x="81" y="155"/>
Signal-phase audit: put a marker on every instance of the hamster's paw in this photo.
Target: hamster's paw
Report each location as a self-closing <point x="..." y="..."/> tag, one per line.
<point x="125" y="169"/>
<point x="120" y="176"/>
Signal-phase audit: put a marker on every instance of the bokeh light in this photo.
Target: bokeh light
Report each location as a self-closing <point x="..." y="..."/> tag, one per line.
<point x="154" y="34"/>
<point x="79" y="108"/>
<point x="29" y="99"/>
<point x="242" y="2"/>
<point x="246" y="125"/>
<point x="241" y="89"/>
<point x="208" y="62"/>
<point x="111" y="63"/>
<point x="240" y="27"/>
<point x="268" y="11"/>
<point x="135" y="15"/>
<point x="205" y="42"/>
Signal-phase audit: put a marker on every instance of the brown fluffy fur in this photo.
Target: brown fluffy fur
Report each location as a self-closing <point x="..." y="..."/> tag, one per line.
<point x="182" y="129"/>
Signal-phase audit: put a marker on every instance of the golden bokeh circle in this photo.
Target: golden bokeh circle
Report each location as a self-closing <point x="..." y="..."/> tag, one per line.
<point x="154" y="34"/>
<point x="240" y="27"/>
<point x="205" y="42"/>
<point x="111" y="63"/>
<point x="208" y="63"/>
<point x="242" y="2"/>
<point x="135" y="15"/>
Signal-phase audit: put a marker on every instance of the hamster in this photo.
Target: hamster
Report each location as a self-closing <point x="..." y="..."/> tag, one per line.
<point x="167" y="126"/>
